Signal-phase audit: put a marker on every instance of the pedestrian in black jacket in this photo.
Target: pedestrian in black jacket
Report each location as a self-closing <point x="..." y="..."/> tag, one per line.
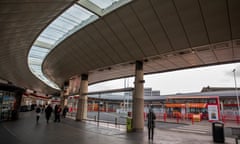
<point x="151" y="124"/>
<point x="48" y="112"/>
<point x="38" y="112"/>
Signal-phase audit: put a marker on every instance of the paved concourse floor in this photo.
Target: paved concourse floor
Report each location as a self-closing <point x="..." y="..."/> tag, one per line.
<point x="26" y="131"/>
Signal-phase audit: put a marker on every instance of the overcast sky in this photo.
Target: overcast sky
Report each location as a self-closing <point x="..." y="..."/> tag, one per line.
<point x="182" y="81"/>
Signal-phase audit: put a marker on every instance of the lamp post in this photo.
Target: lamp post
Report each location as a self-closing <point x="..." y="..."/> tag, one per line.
<point x="99" y="105"/>
<point x="236" y="90"/>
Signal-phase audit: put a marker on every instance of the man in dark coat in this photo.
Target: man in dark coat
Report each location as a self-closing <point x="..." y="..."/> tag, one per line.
<point x="151" y="124"/>
<point x="58" y="113"/>
<point x="38" y="111"/>
<point x="65" y="110"/>
<point x="48" y="112"/>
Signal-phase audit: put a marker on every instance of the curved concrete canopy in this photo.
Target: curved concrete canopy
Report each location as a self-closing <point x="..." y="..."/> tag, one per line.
<point x="168" y="35"/>
<point x="20" y="24"/>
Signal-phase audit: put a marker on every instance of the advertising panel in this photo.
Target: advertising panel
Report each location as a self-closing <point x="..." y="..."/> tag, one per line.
<point x="213" y="112"/>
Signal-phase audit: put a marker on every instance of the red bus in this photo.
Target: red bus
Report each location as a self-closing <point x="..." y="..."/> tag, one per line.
<point x="187" y="106"/>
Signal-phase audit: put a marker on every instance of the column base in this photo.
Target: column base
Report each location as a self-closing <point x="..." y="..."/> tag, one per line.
<point x="79" y="120"/>
<point x="137" y="129"/>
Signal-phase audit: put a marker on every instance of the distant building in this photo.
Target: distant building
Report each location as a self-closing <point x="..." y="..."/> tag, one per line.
<point x="155" y="93"/>
<point x="150" y="92"/>
<point x="212" y="89"/>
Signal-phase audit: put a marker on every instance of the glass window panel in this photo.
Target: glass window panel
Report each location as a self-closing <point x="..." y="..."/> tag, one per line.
<point x="58" y="31"/>
<point x="102" y="7"/>
<point x="42" y="45"/>
<point x="37" y="56"/>
<point x="37" y="52"/>
<point x="104" y="3"/>
<point x="31" y="62"/>
<point x="36" y="67"/>
<point x="40" y="49"/>
<point x="53" y="32"/>
<point x="36" y="60"/>
<point x="68" y="21"/>
<point x="33" y="59"/>
<point x="51" y="35"/>
<point x="59" y="28"/>
<point x="33" y="65"/>
<point x="76" y="18"/>
<point x="63" y="25"/>
<point x="46" y="40"/>
<point x="34" y="53"/>
<point x="36" y="71"/>
<point x="80" y="12"/>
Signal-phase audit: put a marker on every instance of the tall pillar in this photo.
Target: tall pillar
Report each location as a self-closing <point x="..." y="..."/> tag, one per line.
<point x="93" y="105"/>
<point x="83" y="99"/>
<point x="138" y="99"/>
<point x="106" y="106"/>
<point x="62" y="99"/>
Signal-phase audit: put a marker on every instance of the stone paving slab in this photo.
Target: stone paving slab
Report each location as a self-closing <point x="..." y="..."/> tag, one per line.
<point x="26" y="131"/>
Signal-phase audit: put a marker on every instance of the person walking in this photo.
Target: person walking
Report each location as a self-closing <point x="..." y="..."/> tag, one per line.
<point x="55" y="113"/>
<point x="38" y="113"/>
<point x="58" y="113"/>
<point x="65" y="110"/>
<point x="48" y="112"/>
<point x="151" y="123"/>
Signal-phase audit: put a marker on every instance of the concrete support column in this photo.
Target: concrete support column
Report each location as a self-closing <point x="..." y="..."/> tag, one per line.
<point x="62" y="99"/>
<point x="93" y="105"/>
<point x="83" y="99"/>
<point x="106" y="106"/>
<point x="138" y="99"/>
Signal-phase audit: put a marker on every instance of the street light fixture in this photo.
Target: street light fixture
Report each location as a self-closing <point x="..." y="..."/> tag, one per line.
<point x="100" y="103"/>
<point x="236" y="90"/>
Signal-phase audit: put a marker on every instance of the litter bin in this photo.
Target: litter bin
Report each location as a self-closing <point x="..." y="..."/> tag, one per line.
<point x="218" y="132"/>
